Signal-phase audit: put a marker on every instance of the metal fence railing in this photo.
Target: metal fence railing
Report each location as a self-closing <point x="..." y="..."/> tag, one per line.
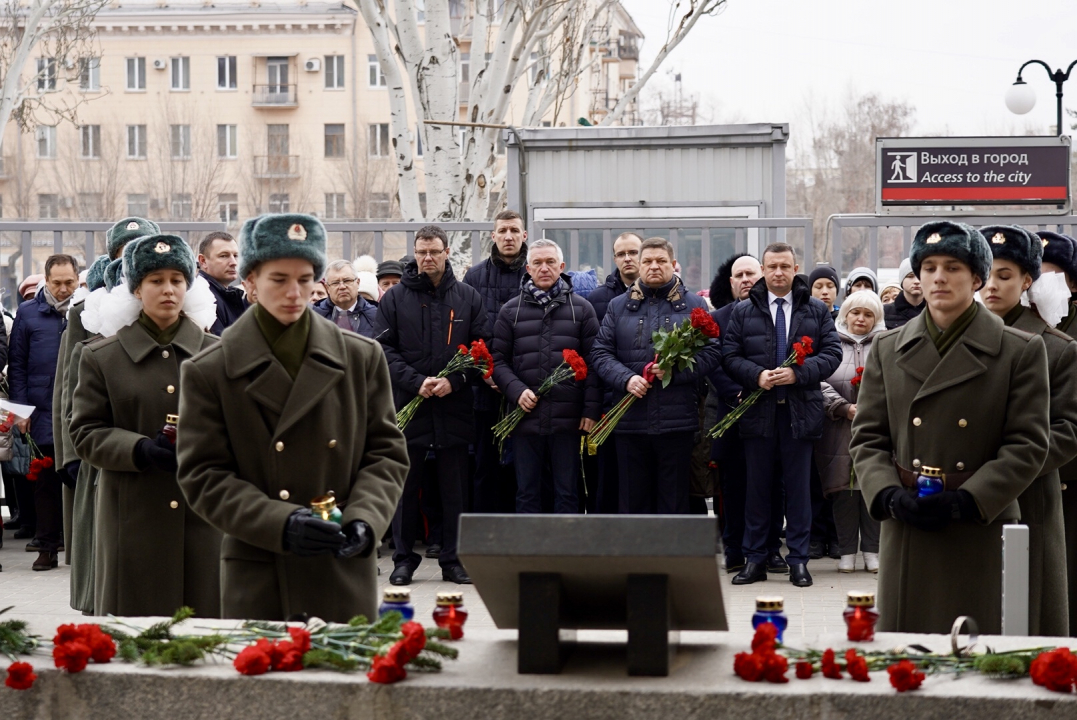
<point x="907" y="225"/>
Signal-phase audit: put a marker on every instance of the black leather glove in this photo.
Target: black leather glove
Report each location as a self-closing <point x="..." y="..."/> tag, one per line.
<point x="899" y="504"/>
<point x="159" y="454"/>
<point x="69" y="474"/>
<point x="950" y="505"/>
<point x="359" y="543"/>
<point x="306" y="535"/>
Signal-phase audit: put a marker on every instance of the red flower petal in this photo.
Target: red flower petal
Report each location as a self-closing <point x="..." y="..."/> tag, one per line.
<point x="384" y="670"/>
<point x="253" y="660"/>
<point x="20" y="676"/>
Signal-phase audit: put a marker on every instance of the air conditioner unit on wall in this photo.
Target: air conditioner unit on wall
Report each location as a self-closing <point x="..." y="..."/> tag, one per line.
<point x="313" y="65"/>
<point x="159" y="64"/>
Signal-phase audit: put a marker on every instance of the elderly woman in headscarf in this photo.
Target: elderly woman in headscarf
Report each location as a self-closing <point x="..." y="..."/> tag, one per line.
<point x="859" y="321"/>
<point x="152" y="553"/>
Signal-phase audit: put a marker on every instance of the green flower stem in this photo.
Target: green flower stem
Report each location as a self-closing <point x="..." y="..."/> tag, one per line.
<point x="507" y="424"/>
<point x="735" y="414"/>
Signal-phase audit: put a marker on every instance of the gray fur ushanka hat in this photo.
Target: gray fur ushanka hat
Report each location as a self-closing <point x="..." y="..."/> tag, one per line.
<point x="957" y="240"/>
<point x="125" y="231"/>
<point x="95" y="274"/>
<point x="278" y="237"/>
<point x="113" y="273"/>
<point x="1013" y="243"/>
<point x="157" y="252"/>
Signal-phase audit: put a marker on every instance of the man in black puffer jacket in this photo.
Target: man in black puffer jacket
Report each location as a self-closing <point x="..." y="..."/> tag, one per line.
<point x="420" y="324"/>
<point x="532" y="331"/>
<point x="909" y="303"/>
<point x="656" y="436"/>
<point x="497" y="279"/>
<point x="779" y="430"/>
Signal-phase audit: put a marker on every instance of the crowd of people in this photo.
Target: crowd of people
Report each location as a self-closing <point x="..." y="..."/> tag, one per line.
<point x="194" y="405"/>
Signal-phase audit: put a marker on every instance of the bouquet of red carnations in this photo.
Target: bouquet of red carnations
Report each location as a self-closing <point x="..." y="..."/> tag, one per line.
<point x="38" y="460"/>
<point x="572" y="366"/>
<point x="674" y="349"/>
<point x="477" y="356"/>
<point x="801" y="350"/>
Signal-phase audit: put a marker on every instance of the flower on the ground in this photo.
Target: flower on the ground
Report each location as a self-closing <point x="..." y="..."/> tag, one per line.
<point x="857" y="666"/>
<point x="762" y="662"/>
<point x="73" y="642"/>
<point x="804" y="670"/>
<point x="905" y="676"/>
<point x="384" y="670"/>
<point x="829" y="666"/>
<point x="748" y="666"/>
<point x="414" y="639"/>
<point x="20" y="676"/>
<point x="1055" y="670"/>
<point x="301" y="639"/>
<point x="71" y="656"/>
<point x="765" y="638"/>
<point x="253" y="660"/>
<point x="774" y="667"/>
<point x="288" y="657"/>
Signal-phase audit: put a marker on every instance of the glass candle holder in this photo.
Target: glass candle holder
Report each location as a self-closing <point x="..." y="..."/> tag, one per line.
<point x="929" y="482"/>
<point x="398" y="600"/>
<point x="325" y="507"/>
<point x="171" y="425"/>
<point x="860" y="616"/>
<point x="772" y="610"/>
<point x="450" y="614"/>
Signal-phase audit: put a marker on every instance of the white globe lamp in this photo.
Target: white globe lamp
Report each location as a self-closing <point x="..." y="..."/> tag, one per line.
<point x="1020" y="98"/>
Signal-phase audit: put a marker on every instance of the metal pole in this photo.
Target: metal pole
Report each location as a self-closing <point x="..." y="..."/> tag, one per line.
<point x="1015" y="580"/>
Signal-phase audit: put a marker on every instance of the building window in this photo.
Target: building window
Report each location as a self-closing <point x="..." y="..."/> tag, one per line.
<point x="181" y="206"/>
<point x="375" y="77"/>
<point x="90" y="141"/>
<point x="48" y="206"/>
<point x="89" y="206"/>
<point x="380" y="205"/>
<point x="278" y="203"/>
<point x="334" y="206"/>
<point x="136" y="141"/>
<point x="465" y="67"/>
<point x="136" y="73"/>
<point x="46" y="74"/>
<point x="181" y="73"/>
<point x="46" y="141"/>
<point x="334" y="141"/>
<point x="90" y="74"/>
<point x="228" y="207"/>
<point x="379" y="140"/>
<point x="181" y="141"/>
<point x="226" y="72"/>
<point x="226" y="141"/>
<point x="277" y="74"/>
<point x="334" y="72"/>
<point x="138" y="205"/>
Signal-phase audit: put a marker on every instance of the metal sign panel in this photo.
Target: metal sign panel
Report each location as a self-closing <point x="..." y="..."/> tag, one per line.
<point x="971" y="171"/>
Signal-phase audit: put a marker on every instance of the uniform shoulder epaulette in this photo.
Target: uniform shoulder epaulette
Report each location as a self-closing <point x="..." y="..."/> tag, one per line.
<point x="1026" y="336"/>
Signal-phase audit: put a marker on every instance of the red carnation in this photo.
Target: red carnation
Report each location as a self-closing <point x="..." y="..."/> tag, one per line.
<point x="857" y="666"/>
<point x="482" y="357"/>
<point x="774" y="667"/>
<point x="253" y="660"/>
<point x="576" y="363"/>
<point x="748" y="666"/>
<point x="904" y="676"/>
<point x="829" y="667"/>
<point x="71" y="656"/>
<point x="858" y="378"/>
<point x="67" y="633"/>
<point x="804" y="670"/>
<point x="287" y="657"/>
<point x="766" y="638"/>
<point x="20" y="676"/>
<point x="807" y="343"/>
<point x="1055" y="670"/>
<point x="414" y="639"/>
<point x="701" y="320"/>
<point x="300" y="638"/>
<point x="383" y="670"/>
<point x="102" y="647"/>
<point x="462" y="349"/>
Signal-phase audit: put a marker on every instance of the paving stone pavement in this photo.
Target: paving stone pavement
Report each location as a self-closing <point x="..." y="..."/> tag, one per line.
<point x="811" y="611"/>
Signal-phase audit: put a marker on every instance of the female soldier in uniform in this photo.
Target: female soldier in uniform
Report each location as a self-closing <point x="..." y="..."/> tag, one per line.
<point x="1015" y="269"/>
<point x="152" y="554"/>
<point x="286" y="408"/>
<point x="953" y="389"/>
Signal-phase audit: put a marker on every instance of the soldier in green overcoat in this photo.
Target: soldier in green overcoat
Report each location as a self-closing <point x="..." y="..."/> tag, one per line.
<point x="287" y="408"/>
<point x="1016" y="270"/>
<point x="954" y="389"/>
<point x="153" y="554"/>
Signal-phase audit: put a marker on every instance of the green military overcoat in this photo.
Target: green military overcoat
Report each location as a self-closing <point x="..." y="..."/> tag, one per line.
<point x="153" y="553"/>
<point x="256" y="445"/>
<point x="79" y="536"/>
<point x="981" y="408"/>
<point x="63" y="450"/>
<point x="1041" y="503"/>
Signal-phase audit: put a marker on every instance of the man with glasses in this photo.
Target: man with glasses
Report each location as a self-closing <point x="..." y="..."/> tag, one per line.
<point x="344" y="306"/>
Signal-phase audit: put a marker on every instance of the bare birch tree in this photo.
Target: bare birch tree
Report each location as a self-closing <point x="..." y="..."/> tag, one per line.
<point x="542" y="47"/>
<point x="61" y="34"/>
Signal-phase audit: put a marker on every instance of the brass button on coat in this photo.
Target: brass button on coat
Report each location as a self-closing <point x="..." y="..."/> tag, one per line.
<point x="916" y="422"/>
<point x="171" y="389"/>
<point x="916" y="463"/>
<point x="332" y="444"/>
<point x="173" y="504"/>
<point x="962" y="422"/>
<point x="279" y="446"/>
<point x="164" y="354"/>
<point x="961" y="466"/>
<point x="284" y="494"/>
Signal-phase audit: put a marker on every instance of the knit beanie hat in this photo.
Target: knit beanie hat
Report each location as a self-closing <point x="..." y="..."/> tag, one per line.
<point x="277" y="237"/>
<point x="824" y="271"/>
<point x="157" y="252"/>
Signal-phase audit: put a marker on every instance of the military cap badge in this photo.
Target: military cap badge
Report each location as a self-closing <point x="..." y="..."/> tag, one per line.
<point x="933" y="238"/>
<point x="998" y="238"/>
<point x="297" y="232"/>
<point x="162" y="247"/>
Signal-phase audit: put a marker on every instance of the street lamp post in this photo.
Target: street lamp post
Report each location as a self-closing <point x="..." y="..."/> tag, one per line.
<point x="1020" y="98"/>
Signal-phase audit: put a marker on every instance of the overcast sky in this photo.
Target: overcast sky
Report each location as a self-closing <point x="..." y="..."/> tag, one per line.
<point x="952" y="60"/>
